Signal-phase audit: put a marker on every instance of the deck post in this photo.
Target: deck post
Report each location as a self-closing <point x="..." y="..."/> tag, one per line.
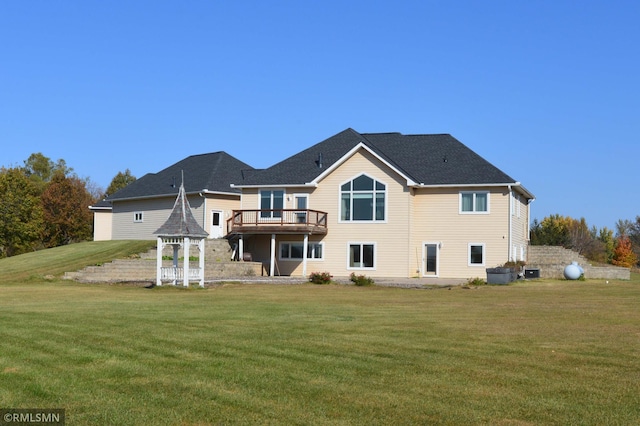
<point x="305" y="249"/>
<point x="272" y="266"/>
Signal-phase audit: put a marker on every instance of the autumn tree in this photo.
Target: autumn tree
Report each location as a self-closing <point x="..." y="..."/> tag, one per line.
<point x="21" y="214"/>
<point x="632" y="230"/>
<point x="65" y="203"/>
<point x="551" y="231"/>
<point x="581" y="238"/>
<point x="40" y="169"/>
<point x="623" y="254"/>
<point x="556" y="230"/>
<point x="119" y="181"/>
<point x="605" y="237"/>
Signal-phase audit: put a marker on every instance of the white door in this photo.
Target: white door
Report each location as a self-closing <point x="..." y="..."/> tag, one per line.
<point x="216" y="224"/>
<point x="300" y="202"/>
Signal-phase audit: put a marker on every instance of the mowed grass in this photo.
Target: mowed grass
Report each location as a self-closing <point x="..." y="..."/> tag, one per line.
<point x="539" y="352"/>
<point x="56" y="261"/>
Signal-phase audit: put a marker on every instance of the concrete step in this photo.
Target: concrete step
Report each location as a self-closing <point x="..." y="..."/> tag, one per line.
<point x="218" y="265"/>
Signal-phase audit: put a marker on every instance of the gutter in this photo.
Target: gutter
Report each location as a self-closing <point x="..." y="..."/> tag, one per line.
<point x="518" y="185"/>
<point x="277" y="185"/>
<point x="147" y="197"/>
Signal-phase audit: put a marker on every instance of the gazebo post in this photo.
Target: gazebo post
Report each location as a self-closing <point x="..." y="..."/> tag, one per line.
<point x="159" y="248"/>
<point x="176" y="250"/>
<point x="185" y="249"/>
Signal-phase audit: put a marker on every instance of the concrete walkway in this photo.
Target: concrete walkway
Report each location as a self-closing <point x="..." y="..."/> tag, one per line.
<point x="379" y="281"/>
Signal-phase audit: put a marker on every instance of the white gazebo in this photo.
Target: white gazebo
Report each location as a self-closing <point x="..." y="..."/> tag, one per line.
<point x="181" y="230"/>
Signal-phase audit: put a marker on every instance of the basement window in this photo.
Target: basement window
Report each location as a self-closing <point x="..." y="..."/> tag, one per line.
<point x="476" y="254"/>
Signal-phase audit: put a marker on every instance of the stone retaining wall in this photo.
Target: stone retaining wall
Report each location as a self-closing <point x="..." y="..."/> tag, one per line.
<point x="551" y="260"/>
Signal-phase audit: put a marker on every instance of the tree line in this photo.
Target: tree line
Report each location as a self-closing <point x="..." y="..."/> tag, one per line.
<point x="621" y="248"/>
<point x="44" y="204"/>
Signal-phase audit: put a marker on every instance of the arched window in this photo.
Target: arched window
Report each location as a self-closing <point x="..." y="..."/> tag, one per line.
<point x="363" y="199"/>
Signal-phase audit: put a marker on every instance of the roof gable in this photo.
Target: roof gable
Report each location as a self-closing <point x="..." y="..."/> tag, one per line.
<point x="438" y="159"/>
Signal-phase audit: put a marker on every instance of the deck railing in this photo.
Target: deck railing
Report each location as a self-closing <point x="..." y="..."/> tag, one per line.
<point x="284" y="218"/>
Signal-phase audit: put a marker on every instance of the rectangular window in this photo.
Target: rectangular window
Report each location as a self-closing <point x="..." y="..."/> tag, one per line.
<point x="474" y="202"/>
<point x="293" y="251"/>
<point x="138" y="217"/>
<point x="271" y="204"/>
<point x="476" y="254"/>
<point x="361" y="256"/>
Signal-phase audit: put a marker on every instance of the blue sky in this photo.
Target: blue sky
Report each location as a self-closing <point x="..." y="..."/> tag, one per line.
<point x="548" y="91"/>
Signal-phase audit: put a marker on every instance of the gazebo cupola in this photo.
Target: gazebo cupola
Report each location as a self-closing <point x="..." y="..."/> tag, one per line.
<point x="181" y="230"/>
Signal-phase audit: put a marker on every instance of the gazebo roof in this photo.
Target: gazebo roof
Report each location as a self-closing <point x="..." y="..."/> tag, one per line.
<point x="181" y="222"/>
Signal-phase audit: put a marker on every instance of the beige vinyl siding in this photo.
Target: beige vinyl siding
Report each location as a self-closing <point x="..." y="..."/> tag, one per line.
<point x="102" y="225"/>
<point x="390" y="237"/>
<point x="155" y="213"/>
<point x="437" y="218"/>
<point x="413" y="217"/>
<point x="520" y="226"/>
<point x="225" y="203"/>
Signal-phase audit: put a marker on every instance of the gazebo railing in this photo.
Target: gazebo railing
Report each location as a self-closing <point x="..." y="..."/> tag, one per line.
<point x="171" y="273"/>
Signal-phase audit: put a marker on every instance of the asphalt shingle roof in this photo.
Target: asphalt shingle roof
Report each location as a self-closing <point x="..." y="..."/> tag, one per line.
<point x="426" y="159"/>
<point x="214" y="172"/>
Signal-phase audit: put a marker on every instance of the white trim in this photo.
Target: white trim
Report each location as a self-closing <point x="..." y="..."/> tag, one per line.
<point x="529" y="196"/>
<point x="362" y="268"/>
<point x="298" y="259"/>
<point x="294" y="197"/>
<point x="220" y="227"/>
<point x="484" y="254"/>
<point x="386" y="200"/>
<point x="280" y="185"/>
<point x="344" y="158"/>
<point x="146" y="197"/>
<point x="423" y="268"/>
<point x="474" y="211"/>
<point x="335" y="165"/>
<point x="284" y="202"/>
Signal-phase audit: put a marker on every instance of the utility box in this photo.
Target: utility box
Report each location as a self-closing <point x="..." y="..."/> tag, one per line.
<point x="501" y="275"/>
<point x="532" y="273"/>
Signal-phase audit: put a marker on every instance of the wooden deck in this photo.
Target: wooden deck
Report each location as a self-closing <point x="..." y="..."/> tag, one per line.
<point x="284" y="221"/>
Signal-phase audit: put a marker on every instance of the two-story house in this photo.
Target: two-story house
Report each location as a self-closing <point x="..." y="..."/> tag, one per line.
<point x="378" y="204"/>
<point x="383" y="205"/>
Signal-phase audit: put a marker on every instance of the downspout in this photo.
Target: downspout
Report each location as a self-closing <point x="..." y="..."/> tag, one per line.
<point x="510" y="222"/>
<point x="410" y="233"/>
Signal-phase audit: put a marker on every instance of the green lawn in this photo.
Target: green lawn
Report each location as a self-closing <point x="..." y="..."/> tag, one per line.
<point x="540" y="352"/>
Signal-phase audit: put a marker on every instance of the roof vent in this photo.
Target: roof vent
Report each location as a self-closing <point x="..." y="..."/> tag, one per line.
<point x="319" y="162"/>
